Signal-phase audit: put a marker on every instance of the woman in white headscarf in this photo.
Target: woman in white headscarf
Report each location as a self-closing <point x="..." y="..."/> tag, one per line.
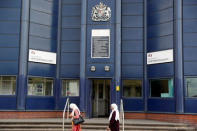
<point x="75" y="115"/>
<point x="114" y="118"/>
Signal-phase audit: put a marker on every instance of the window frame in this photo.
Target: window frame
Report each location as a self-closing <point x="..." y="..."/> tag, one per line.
<point x="163" y="78"/>
<point x="185" y="87"/>
<point x="61" y="83"/>
<point x="16" y="85"/>
<point x="41" y="78"/>
<point x="142" y="88"/>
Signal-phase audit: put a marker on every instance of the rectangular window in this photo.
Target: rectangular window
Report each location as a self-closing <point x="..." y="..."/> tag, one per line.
<point x="7" y="85"/>
<point x="70" y="87"/>
<point x="132" y="88"/>
<point x="191" y="87"/>
<point x="40" y="87"/>
<point x="161" y="88"/>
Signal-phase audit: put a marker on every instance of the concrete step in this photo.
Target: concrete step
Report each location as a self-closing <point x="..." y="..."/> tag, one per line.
<point x="89" y="125"/>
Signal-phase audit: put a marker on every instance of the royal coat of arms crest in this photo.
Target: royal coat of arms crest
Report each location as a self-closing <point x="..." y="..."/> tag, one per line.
<point x="101" y="12"/>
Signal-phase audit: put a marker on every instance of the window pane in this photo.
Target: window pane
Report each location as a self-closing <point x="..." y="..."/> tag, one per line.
<point x="70" y="87"/>
<point x="7" y="85"/>
<point x="161" y="88"/>
<point x="132" y="88"/>
<point x="40" y="87"/>
<point x="191" y="87"/>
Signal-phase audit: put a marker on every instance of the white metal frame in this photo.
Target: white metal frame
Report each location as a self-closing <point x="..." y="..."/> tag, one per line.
<point x="122" y="113"/>
<point x="66" y="105"/>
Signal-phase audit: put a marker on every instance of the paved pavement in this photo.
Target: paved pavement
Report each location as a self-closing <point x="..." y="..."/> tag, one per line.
<point x="94" y="120"/>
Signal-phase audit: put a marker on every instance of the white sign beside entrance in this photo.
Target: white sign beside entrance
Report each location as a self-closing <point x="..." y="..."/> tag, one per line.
<point x="160" y="57"/>
<point x="42" y="56"/>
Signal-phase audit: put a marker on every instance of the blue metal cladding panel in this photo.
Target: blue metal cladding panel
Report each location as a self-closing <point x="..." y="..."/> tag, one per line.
<point x="190" y="68"/>
<point x="190" y="105"/>
<point x="190" y="47"/>
<point x="132" y="46"/>
<point x="70" y="71"/>
<point x="132" y="8"/>
<point x="70" y="38"/>
<point x="189" y="37"/>
<point x="71" y="9"/>
<point x="69" y="58"/>
<point x="160" y="30"/>
<point x="10" y="4"/>
<point x="40" y="103"/>
<point x="42" y="31"/>
<point x="130" y="59"/>
<point x="190" y="53"/>
<point x="165" y="42"/>
<point x="43" y="25"/>
<point x="43" y="34"/>
<point x="160" y="25"/>
<point x="71" y="1"/>
<point x="5" y="54"/>
<point x="158" y="5"/>
<point x="135" y="104"/>
<point x="38" y="69"/>
<point x="70" y="34"/>
<point x="189" y="26"/>
<point x="10" y="14"/>
<point x="9" y="36"/>
<point x="8" y="102"/>
<point x="189" y="2"/>
<point x="70" y="46"/>
<point x="160" y="16"/>
<point x="9" y="27"/>
<point x="9" y="41"/>
<point x="8" y="67"/>
<point x="39" y="43"/>
<point x="161" y="105"/>
<point x="62" y="101"/>
<point x="73" y="21"/>
<point x="132" y="39"/>
<point x="160" y="36"/>
<point x="160" y="70"/>
<point x="49" y="7"/>
<point x="132" y="71"/>
<point x="132" y="1"/>
<point x="36" y="16"/>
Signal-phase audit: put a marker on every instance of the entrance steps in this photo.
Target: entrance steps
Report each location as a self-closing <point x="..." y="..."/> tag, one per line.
<point x="89" y="125"/>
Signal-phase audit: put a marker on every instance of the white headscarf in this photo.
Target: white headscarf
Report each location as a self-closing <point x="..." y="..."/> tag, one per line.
<point x="74" y="107"/>
<point x="116" y="110"/>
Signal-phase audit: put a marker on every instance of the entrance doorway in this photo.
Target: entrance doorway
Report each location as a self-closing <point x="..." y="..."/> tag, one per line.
<point x="100" y="98"/>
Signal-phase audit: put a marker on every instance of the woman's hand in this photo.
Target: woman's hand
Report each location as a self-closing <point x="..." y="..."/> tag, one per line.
<point x="108" y="128"/>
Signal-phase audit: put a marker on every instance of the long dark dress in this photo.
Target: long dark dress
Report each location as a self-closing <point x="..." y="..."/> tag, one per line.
<point x="114" y="125"/>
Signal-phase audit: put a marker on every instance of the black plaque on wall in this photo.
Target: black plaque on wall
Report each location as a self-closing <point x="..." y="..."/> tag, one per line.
<point x="100" y="47"/>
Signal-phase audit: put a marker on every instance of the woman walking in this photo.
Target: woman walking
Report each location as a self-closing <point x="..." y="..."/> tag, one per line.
<point x="75" y="115"/>
<point x="114" y="118"/>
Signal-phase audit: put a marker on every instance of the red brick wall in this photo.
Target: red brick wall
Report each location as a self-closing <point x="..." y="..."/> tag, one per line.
<point x="185" y="118"/>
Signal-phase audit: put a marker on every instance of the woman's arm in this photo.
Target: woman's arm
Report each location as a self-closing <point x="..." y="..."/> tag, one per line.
<point x="76" y="116"/>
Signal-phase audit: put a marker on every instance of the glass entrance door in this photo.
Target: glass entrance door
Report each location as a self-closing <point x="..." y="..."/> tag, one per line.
<point x="100" y="98"/>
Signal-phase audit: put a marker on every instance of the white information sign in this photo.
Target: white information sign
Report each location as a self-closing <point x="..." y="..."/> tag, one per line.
<point x="160" y="57"/>
<point x="100" y="45"/>
<point x="42" y="56"/>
